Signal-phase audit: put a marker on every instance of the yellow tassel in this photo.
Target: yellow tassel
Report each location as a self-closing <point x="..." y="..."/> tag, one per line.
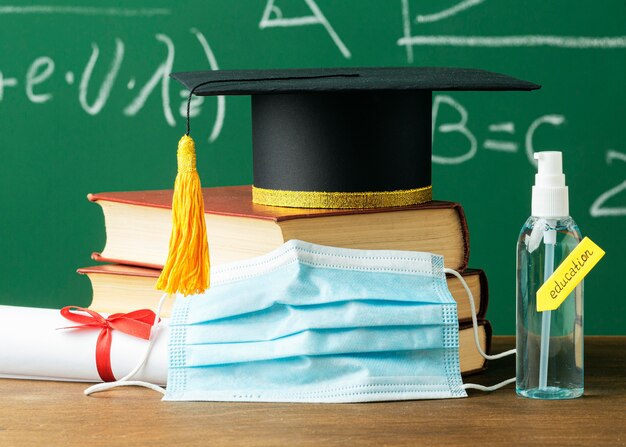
<point x="187" y="267"/>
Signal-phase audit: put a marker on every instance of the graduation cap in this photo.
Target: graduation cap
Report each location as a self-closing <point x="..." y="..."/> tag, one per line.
<point x="336" y="138"/>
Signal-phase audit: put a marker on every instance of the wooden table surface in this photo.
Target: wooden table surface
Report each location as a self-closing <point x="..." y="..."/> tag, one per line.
<point x="58" y="414"/>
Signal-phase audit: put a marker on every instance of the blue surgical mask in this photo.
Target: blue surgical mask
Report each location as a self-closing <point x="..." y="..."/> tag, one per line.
<point x="309" y="323"/>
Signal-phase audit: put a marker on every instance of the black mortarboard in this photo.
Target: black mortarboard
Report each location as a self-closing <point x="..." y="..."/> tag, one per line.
<point x="343" y="138"/>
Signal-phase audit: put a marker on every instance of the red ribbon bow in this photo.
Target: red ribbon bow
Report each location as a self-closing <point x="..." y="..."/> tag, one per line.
<point x="137" y="323"/>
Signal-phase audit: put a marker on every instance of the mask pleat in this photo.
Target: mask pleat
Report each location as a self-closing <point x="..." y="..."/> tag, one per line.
<point x="284" y="320"/>
<point x="302" y="285"/>
<point x="318" y="342"/>
<point x="350" y="378"/>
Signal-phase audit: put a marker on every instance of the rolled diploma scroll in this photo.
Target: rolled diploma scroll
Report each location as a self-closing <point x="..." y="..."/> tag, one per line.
<point x="33" y="347"/>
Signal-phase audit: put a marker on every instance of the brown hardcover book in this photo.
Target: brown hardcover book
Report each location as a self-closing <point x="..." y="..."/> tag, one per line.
<point x="138" y="226"/>
<point x="124" y="288"/>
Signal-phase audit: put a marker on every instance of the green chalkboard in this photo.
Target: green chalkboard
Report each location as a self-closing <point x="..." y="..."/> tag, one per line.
<point x="86" y="106"/>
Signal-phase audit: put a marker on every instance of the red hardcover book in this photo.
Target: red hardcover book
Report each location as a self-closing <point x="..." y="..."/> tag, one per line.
<point x="138" y="226"/>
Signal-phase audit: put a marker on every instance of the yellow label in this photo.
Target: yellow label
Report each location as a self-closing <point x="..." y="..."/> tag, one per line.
<point x="571" y="272"/>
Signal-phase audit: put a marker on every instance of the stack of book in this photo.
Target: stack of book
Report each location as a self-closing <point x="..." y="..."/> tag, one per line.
<point x="138" y="226"/>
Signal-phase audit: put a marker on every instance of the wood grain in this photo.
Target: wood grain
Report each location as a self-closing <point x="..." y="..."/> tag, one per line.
<point x="53" y="413"/>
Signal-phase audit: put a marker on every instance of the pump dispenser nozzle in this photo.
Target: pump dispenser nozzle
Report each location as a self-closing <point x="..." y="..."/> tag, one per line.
<point x="550" y="195"/>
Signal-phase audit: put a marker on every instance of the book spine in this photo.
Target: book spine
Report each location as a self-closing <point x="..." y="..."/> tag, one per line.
<point x="466" y="240"/>
<point x="481" y="312"/>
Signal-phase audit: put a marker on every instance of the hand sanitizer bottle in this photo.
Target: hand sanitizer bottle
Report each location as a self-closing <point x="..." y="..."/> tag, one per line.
<point x="549" y="343"/>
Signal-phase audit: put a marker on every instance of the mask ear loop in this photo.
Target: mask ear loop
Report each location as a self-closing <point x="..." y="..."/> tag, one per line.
<point x="124" y="381"/>
<point x="477" y="342"/>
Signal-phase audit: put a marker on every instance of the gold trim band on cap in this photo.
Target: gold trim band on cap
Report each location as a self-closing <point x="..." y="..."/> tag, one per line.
<point x="315" y="199"/>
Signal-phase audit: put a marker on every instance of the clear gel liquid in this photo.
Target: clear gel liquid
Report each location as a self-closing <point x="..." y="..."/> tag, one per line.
<point x="564" y="379"/>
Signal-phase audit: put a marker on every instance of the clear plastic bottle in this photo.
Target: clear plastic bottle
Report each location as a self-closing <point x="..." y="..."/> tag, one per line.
<point x="564" y="375"/>
<point x="549" y="343"/>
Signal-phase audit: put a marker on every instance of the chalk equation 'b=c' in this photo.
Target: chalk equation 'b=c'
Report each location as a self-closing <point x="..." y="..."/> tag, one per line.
<point x="502" y="141"/>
